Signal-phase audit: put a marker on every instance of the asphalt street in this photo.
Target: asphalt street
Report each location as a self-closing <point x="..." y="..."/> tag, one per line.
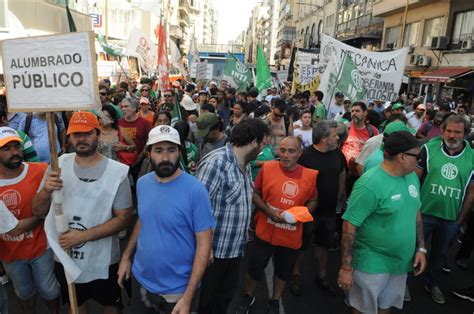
<point x="314" y="300"/>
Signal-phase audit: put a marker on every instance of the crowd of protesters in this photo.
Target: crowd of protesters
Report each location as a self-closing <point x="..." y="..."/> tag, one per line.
<point x="204" y="175"/>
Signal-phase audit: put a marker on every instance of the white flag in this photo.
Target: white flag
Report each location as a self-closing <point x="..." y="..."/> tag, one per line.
<point x="175" y="59"/>
<point x="141" y="47"/>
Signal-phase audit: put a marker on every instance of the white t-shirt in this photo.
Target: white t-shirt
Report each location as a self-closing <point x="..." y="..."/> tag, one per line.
<point x="334" y="110"/>
<point x="306" y="136"/>
<point x="413" y="121"/>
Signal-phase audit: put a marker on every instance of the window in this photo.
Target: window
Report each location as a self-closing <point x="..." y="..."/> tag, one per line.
<point x="463" y="26"/>
<point x="411" y="34"/>
<point x="330" y="20"/>
<point x="391" y="35"/>
<point x="433" y="28"/>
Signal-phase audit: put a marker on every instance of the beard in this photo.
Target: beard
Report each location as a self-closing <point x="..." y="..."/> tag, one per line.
<point x="454" y="144"/>
<point x="164" y="169"/>
<point x="88" y="151"/>
<point x="13" y="162"/>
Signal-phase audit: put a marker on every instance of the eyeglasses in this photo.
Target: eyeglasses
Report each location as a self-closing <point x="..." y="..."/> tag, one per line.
<point x="278" y="115"/>
<point x="103" y="94"/>
<point x="417" y="156"/>
<point x="145" y="90"/>
<point x="168" y="95"/>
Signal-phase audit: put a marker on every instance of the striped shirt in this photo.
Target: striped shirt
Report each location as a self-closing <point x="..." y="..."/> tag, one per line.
<point x="230" y="191"/>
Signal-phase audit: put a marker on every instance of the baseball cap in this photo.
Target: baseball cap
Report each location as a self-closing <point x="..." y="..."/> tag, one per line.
<point x="163" y="133"/>
<point x="201" y="92"/>
<point x="297" y="214"/>
<point x="421" y="106"/>
<point x="188" y="104"/>
<point x="399" y="142"/>
<point x="204" y="122"/>
<point x="395" y="126"/>
<point x="83" y="121"/>
<point x="398" y="106"/>
<point x="8" y="135"/>
<point x="144" y="100"/>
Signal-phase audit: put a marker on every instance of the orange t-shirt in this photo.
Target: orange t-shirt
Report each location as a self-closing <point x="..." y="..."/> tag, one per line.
<point x="17" y="197"/>
<point x="150" y="116"/>
<point x="281" y="190"/>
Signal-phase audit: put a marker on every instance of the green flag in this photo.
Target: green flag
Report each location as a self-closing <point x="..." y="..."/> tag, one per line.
<point x="110" y="50"/>
<point x="176" y="112"/>
<point x="264" y="79"/>
<point x="70" y="20"/>
<point x="237" y="71"/>
<point x="350" y="82"/>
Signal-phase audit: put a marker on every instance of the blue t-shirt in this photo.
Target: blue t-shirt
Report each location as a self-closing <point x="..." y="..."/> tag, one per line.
<point x="170" y="214"/>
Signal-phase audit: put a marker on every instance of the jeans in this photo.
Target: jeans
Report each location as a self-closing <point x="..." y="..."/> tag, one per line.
<point x="34" y="275"/>
<point x="3" y="300"/>
<point x="442" y="233"/>
<point x="467" y="244"/>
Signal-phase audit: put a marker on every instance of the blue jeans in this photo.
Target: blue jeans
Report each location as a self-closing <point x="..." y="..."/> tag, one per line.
<point x="34" y="275"/>
<point x="3" y="300"/>
<point x="442" y="233"/>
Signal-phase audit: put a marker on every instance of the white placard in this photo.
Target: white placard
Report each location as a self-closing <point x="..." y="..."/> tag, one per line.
<point x="381" y="72"/>
<point x="201" y="70"/>
<point x="51" y="73"/>
<point x="7" y="220"/>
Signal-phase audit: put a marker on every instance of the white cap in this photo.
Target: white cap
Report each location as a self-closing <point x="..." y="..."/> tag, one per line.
<point x="188" y="104"/>
<point x="163" y="133"/>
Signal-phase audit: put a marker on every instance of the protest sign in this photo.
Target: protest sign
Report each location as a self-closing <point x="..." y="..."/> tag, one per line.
<point x="204" y="71"/>
<point x="141" y="47"/>
<point x="380" y="72"/>
<point x="51" y="73"/>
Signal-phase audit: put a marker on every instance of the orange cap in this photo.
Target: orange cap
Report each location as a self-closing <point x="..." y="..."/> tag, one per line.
<point x="83" y="121"/>
<point x="301" y="213"/>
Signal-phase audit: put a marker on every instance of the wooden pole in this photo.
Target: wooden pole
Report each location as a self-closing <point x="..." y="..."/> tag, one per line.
<point x="58" y="206"/>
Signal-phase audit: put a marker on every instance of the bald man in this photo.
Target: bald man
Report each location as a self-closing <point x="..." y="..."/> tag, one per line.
<point x="280" y="185"/>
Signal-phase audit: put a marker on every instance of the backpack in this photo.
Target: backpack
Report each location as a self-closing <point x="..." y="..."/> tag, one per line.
<point x="29" y="118"/>
<point x="370" y="130"/>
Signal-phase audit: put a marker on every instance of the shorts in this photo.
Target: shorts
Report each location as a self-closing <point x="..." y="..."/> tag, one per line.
<point x="34" y="275"/>
<point x="307" y="237"/>
<point x="376" y="291"/>
<point x="324" y="229"/>
<point x="105" y="291"/>
<point x="154" y="302"/>
<point x="284" y="260"/>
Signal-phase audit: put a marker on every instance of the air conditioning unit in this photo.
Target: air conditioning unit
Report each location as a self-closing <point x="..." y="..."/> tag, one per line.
<point x="414" y="59"/>
<point x="466" y="44"/>
<point x="390" y="46"/>
<point x="439" y="43"/>
<point x="424" y="61"/>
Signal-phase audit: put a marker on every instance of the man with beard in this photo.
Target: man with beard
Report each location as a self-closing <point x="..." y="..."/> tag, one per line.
<point x="96" y="196"/>
<point x="227" y="174"/>
<point x="24" y="250"/>
<point x="445" y="169"/>
<point x="172" y="237"/>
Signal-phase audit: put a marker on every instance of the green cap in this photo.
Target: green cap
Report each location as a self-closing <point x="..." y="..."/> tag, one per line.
<point x="397" y="106"/>
<point x="204" y="122"/>
<point x="395" y="126"/>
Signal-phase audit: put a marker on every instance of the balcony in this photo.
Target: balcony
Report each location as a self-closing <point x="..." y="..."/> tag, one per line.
<point x="184" y="7"/>
<point x="383" y="8"/>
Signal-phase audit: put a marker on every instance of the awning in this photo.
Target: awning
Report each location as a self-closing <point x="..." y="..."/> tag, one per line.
<point x="445" y="74"/>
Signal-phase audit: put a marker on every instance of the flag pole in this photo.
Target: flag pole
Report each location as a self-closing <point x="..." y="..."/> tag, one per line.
<point x="71" y="287"/>
<point x="337" y="80"/>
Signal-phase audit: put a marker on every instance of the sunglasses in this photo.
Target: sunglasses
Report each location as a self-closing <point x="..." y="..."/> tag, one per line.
<point x="168" y="95"/>
<point x="145" y="90"/>
<point x="278" y="115"/>
<point x="417" y="156"/>
<point x="103" y="94"/>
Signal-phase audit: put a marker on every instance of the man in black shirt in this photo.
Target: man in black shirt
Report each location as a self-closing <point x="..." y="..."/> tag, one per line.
<point x="324" y="156"/>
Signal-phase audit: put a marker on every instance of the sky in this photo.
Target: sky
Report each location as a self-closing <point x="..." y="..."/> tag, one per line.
<point x="233" y="18"/>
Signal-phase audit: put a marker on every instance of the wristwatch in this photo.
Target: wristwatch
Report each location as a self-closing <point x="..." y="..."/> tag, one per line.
<point x="422" y="250"/>
<point x="127" y="148"/>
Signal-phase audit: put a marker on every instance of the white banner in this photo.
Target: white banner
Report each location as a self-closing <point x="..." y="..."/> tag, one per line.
<point x="381" y="72"/>
<point x="204" y="71"/>
<point x="51" y="73"/>
<point x="141" y="47"/>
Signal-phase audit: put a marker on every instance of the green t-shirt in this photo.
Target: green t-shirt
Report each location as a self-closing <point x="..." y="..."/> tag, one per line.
<point x="29" y="152"/>
<point x="319" y="111"/>
<point x="384" y="209"/>
<point x="267" y="153"/>
<point x="373" y="160"/>
<point x="446" y="181"/>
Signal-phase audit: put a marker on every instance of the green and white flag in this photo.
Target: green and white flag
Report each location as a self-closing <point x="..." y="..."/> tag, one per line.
<point x="109" y="49"/>
<point x="264" y="78"/>
<point x="350" y="81"/>
<point x="236" y="73"/>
